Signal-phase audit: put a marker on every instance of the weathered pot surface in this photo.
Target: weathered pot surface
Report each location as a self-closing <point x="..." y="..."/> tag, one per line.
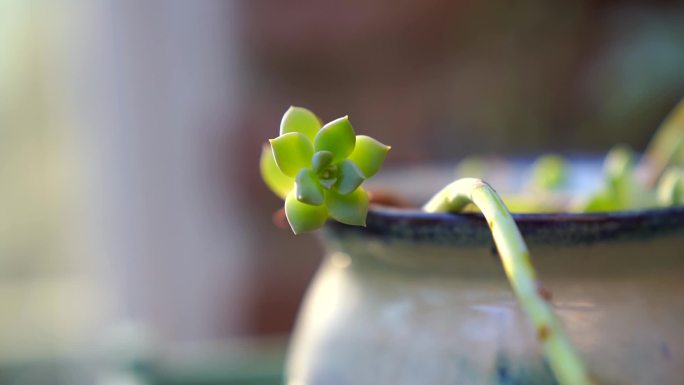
<point x="419" y="298"/>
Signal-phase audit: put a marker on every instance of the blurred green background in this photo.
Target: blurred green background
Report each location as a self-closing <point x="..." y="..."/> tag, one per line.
<point x="136" y="243"/>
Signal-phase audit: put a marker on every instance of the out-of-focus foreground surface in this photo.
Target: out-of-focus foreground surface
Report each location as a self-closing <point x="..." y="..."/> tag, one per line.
<point x="136" y="243"/>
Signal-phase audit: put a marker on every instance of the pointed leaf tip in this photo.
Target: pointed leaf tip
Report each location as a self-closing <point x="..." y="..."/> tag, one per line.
<point x="369" y="154"/>
<point x="329" y="182"/>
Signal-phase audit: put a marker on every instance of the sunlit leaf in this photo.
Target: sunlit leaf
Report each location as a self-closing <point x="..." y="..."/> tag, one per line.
<point x="350" y="209"/>
<point x="337" y="137"/>
<point x="369" y="154"/>
<point x="549" y="171"/>
<point x="298" y="119"/>
<point x="671" y="188"/>
<point x="303" y="217"/>
<point x="278" y="182"/>
<point x="600" y="201"/>
<point x="349" y="177"/>
<point x="621" y="182"/>
<point x="619" y="164"/>
<point x="293" y="152"/>
<point x="321" y="160"/>
<point x="307" y="188"/>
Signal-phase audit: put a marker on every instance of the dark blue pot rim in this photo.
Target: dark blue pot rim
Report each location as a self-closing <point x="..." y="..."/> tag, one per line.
<point x="471" y="229"/>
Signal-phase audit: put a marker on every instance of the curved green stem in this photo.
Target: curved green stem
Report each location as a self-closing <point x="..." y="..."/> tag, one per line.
<point x="564" y="361"/>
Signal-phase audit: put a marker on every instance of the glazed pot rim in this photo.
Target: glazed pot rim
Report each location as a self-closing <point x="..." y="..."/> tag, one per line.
<point x="560" y="216"/>
<point x="412" y="225"/>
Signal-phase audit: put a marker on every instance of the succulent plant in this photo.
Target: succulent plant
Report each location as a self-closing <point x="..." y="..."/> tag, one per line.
<point x="318" y="169"/>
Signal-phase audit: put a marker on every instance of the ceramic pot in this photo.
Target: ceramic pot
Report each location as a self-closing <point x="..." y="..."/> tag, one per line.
<point x="420" y="299"/>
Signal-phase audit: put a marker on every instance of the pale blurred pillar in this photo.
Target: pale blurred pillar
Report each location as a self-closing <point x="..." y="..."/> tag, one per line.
<point x="51" y="305"/>
<point x="113" y="207"/>
<point x="154" y="86"/>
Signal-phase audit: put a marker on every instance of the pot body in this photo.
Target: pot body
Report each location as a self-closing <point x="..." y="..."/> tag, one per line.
<point x="414" y="300"/>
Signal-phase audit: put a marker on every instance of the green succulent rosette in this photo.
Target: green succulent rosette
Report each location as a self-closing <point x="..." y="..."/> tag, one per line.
<point x="318" y="169"/>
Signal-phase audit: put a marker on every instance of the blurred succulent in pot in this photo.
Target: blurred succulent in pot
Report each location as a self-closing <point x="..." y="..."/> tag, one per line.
<point x="318" y="169"/>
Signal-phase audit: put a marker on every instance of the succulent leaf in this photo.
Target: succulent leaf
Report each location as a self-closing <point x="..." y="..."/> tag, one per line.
<point x="292" y="151"/>
<point x="308" y="190"/>
<point x="600" y="201"/>
<point x="349" y="177"/>
<point x="337" y="137"/>
<point x="671" y="188"/>
<point x="303" y="217"/>
<point x="369" y="154"/>
<point x="328" y="183"/>
<point x="350" y="209"/>
<point x="298" y="119"/>
<point x="549" y="172"/>
<point x="279" y="183"/>
<point x="619" y="164"/>
<point x="321" y="160"/>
